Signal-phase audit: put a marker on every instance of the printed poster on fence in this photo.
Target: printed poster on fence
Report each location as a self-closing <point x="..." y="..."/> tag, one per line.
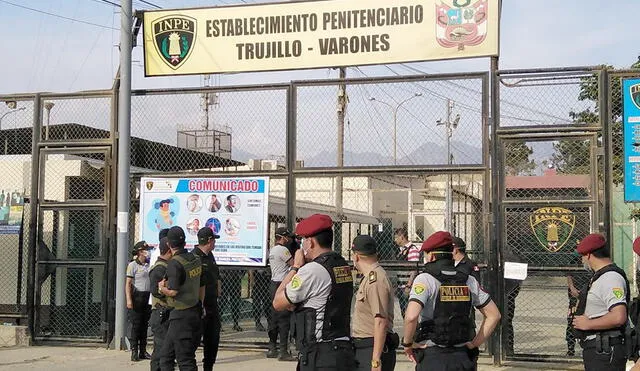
<point x="11" y="209"/>
<point x="234" y="208"/>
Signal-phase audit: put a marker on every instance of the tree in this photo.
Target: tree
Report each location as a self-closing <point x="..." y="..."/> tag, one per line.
<point x="571" y="156"/>
<point x="516" y="157"/>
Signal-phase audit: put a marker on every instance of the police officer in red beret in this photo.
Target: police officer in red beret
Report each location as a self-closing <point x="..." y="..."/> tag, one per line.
<point x="442" y="298"/>
<point x="319" y="288"/>
<point x="601" y="314"/>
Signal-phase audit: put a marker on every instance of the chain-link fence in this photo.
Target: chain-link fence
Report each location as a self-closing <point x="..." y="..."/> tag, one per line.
<point x="551" y="186"/>
<point x="381" y="156"/>
<point x="16" y="119"/>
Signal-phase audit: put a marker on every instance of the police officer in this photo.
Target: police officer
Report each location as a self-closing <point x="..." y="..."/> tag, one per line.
<point x="280" y="260"/>
<point x="210" y="276"/>
<point x="320" y="288"/>
<point x="372" y="331"/>
<point x="461" y="259"/>
<point x="160" y="309"/>
<point x="182" y="288"/>
<point x="443" y="295"/>
<point x="601" y="314"/>
<point x="137" y="293"/>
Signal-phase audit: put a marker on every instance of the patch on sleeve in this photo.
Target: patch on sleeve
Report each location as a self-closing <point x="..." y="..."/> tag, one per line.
<point x="618" y="292"/>
<point x="296" y="282"/>
<point x="286" y="253"/>
<point x="373" y="277"/>
<point x="343" y="274"/>
<point x="419" y="288"/>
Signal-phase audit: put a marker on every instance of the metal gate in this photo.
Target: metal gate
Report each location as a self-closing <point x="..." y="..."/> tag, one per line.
<point x="71" y="228"/>
<point x="551" y="193"/>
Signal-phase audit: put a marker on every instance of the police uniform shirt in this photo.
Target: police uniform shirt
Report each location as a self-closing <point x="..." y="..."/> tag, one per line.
<point x="469" y="267"/>
<point x="310" y="288"/>
<point x="140" y="275"/>
<point x="278" y="257"/>
<point x="209" y="277"/>
<point x="605" y="293"/>
<point x="156" y="275"/>
<point x="425" y="291"/>
<point x="373" y="299"/>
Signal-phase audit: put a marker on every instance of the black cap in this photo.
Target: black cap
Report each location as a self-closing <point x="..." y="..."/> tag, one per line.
<point x="176" y="237"/>
<point x="163" y="246"/>
<point x="205" y="234"/>
<point x="459" y="243"/>
<point x="163" y="233"/>
<point x="283" y="231"/>
<point x="365" y="245"/>
<point x="140" y="245"/>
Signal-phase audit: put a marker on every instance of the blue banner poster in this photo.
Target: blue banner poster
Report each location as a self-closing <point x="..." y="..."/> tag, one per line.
<point x="631" y="134"/>
<point x="234" y="208"/>
<point x="11" y="209"/>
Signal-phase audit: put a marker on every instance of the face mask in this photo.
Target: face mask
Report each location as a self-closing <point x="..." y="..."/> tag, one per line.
<point x="304" y="251"/>
<point x="587" y="267"/>
<point x="147" y="260"/>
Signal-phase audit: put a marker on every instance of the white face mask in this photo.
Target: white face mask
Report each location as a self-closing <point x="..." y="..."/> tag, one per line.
<point x="304" y="251"/>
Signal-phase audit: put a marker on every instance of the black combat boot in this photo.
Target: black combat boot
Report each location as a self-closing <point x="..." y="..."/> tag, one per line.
<point x="273" y="351"/>
<point x="286" y="356"/>
<point x="134" y="355"/>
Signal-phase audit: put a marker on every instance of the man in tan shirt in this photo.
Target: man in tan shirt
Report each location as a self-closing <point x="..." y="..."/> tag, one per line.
<point x="372" y="329"/>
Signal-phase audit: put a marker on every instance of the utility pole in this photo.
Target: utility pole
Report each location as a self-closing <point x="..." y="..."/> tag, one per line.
<point x="395" y="121"/>
<point x="124" y="141"/>
<point x="342" y="110"/>
<point x="48" y="106"/>
<point x="449" y="126"/>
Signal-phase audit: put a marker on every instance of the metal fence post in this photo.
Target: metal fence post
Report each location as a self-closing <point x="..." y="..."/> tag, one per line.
<point x="496" y="222"/>
<point x="124" y="139"/>
<point x="604" y="96"/>
<point x="291" y="156"/>
<point x="33" y="222"/>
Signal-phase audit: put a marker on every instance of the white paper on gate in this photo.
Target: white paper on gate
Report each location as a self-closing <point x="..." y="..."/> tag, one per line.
<point x="515" y="271"/>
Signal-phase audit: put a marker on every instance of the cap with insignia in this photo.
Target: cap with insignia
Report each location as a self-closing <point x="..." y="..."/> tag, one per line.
<point x="365" y="245"/>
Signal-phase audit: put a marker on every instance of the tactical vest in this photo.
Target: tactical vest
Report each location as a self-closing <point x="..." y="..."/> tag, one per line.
<point x="158" y="301"/>
<point x="582" y="300"/>
<point x="337" y="313"/>
<point x="188" y="293"/>
<point x="451" y="324"/>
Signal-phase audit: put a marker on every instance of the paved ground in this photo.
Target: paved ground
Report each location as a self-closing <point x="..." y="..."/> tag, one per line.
<point x="90" y="359"/>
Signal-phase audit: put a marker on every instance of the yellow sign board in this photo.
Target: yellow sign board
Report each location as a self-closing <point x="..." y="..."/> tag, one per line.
<point x="316" y="34"/>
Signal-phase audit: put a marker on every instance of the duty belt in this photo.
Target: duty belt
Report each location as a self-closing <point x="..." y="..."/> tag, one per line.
<point x="603" y="341"/>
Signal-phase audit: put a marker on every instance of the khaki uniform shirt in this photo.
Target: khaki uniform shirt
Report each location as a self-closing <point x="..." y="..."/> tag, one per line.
<point x="373" y="299"/>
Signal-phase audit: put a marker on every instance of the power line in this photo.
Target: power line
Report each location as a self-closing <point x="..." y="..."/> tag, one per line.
<point x="150" y="4"/>
<point x="57" y="15"/>
<point x="106" y="2"/>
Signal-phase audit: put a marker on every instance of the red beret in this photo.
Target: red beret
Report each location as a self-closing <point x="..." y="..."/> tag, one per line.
<point x="313" y="225"/>
<point x="591" y="243"/>
<point x="436" y="240"/>
<point x="636" y="246"/>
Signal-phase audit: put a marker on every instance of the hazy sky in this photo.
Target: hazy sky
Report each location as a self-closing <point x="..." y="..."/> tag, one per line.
<point x="45" y="53"/>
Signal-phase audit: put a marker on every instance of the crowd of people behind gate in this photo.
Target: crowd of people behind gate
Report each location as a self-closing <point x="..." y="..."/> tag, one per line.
<point x="311" y="289"/>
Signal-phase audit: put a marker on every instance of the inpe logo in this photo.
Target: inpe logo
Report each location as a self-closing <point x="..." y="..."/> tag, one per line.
<point x="552" y="226"/>
<point x="173" y="37"/>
